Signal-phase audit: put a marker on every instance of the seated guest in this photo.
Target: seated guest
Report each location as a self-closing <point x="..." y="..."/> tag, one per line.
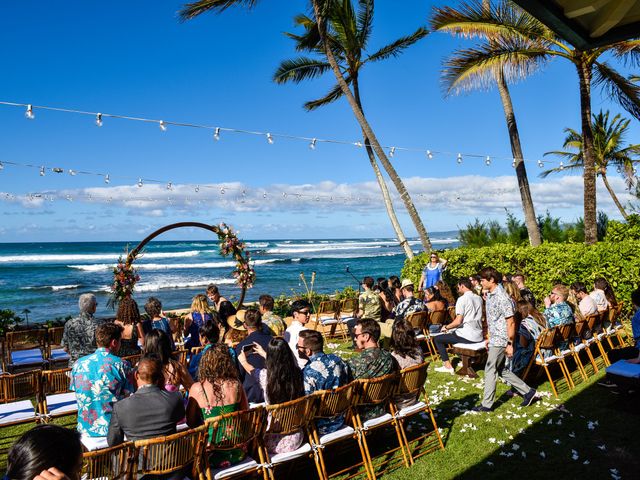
<point x="532" y="323"/>
<point x="396" y="287"/>
<point x="599" y="295"/>
<point x="213" y="294"/>
<point x="410" y="303"/>
<point x="153" y="307"/>
<point x="209" y="334"/>
<point x="45" y="452"/>
<point x="280" y="381"/>
<point x="322" y="372"/>
<point x="603" y="286"/>
<point x="128" y="317"/>
<point x="251" y="321"/>
<point x="586" y="304"/>
<point x="465" y="328"/>
<point x="433" y="300"/>
<point x="217" y="392"/>
<point x="512" y="290"/>
<point x="100" y="380"/>
<point x="301" y="311"/>
<point x="158" y="344"/>
<point x="558" y="311"/>
<point x="271" y="322"/>
<point x="150" y="411"/>
<point x="372" y="362"/>
<point x="79" y="336"/>
<point x="525" y="293"/>
<point x="387" y="300"/>
<point x="200" y="313"/>
<point x="445" y="293"/>
<point x="475" y="284"/>
<point x="369" y="301"/>
<point x="405" y="349"/>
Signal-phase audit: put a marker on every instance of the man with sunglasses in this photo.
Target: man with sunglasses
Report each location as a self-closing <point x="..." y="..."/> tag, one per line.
<point x="558" y="311"/>
<point x="301" y="311"/>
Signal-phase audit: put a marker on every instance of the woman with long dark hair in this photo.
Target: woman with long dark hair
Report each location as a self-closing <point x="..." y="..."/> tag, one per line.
<point x="405" y="349"/>
<point x="532" y="323"/>
<point x="128" y="317"/>
<point x="158" y="344"/>
<point x="281" y="381"/>
<point x="601" y="285"/>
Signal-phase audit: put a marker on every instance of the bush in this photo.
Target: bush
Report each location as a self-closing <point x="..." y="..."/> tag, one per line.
<point x="8" y="320"/>
<point x="620" y="231"/>
<point x="546" y="265"/>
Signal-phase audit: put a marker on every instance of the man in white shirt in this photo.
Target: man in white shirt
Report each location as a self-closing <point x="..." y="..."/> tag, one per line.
<point x="586" y="304"/>
<point x="465" y="328"/>
<point x="301" y="315"/>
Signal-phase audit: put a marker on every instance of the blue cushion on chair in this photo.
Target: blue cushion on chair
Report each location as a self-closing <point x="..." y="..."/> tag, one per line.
<point x="26" y="357"/>
<point x="623" y="368"/>
<point x="59" y="354"/>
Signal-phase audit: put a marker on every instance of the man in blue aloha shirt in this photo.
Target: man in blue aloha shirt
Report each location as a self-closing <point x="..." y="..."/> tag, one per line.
<point x="322" y="372"/>
<point x="558" y="311"/>
<point x="100" y="380"/>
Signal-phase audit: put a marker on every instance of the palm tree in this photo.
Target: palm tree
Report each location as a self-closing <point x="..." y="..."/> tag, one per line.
<point x="26" y="312"/>
<point x="321" y="8"/>
<point x="348" y="32"/>
<point x="519" y="44"/>
<point x="441" y="21"/>
<point x="608" y="140"/>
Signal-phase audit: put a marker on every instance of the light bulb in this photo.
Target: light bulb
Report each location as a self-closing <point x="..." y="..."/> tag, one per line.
<point x="429" y="155"/>
<point x="69" y="197"/>
<point x="29" y="113"/>
<point x="1" y="166"/>
<point x="513" y="164"/>
<point x="284" y="194"/>
<point x="140" y="183"/>
<point x="392" y="152"/>
<point x="216" y="134"/>
<point x="197" y="189"/>
<point x="561" y="165"/>
<point x="459" y="159"/>
<point x="57" y="170"/>
<point x="540" y="164"/>
<point x="264" y="195"/>
<point x="488" y="161"/>
<point x="42" y="171"/>
<point x="312" y="145"/>
<point x="163" y="126"/>
<point x="106" y="178"/>
<point x="169" y="186"/>
<point x="269" y="139"/>
<point x="98" y="119"/>
<point x="72" y="173"/>
<point x="358" y="144"/>
<point x="222" y="191"/>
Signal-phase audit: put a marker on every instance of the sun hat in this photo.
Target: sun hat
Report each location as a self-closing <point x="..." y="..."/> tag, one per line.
<point x="406" y="282"/>
<point x="237" y="321"/>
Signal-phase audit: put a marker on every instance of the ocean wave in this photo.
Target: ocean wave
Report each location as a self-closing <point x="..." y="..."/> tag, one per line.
<point x="444" y="240"/>
<point x="257" y="244"/>
<point x="171" y="266"/>
<point x="52" y="287"/>
<point x="317" y="248"/>
<point x="176" y="284"/>
<point x="89" y="257"/>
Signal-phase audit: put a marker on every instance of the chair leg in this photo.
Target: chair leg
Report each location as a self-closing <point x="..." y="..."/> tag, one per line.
<point x="553" y="385"/>
<point x="401" y="443"/>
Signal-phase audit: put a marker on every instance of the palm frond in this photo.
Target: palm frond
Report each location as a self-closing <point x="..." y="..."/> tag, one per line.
<point x="299" y="69"/>
<point x="365" y="21"/>
<point x="396" y="48"/>
<point x="193" y="9"/>
<point x="334" y="94"/>
<point x="572" y="157"/>
<point x="627" y="52"/>
<point x="618" y="87"/>
<point x="310" y="40"/>
<point x="565" y="168"/>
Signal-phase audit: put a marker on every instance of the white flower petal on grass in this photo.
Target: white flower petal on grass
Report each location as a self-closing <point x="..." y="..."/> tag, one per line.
<point x="574" y="455"/>
<point x="557" y="441"/>
<point x="572" y="435"/>
<point x="586" y="462"/>
<point x="501" y="442"/>
<point x="602" y="447"/>
<point x="591" y="425"/>
<point x="543" y="455"/>
<point x="492" y="440"/>
<point x="490" y="464"/>
<point x="515" y="447"/>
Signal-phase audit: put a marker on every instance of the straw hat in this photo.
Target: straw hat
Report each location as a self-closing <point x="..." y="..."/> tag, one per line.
<point x="237" y="321"/>
<point x="406" y="282"/>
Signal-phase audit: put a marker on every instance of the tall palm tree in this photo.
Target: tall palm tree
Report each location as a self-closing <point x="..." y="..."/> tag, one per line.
<point x="320" y="11"/>
<point x="348" y="32"/>
<point x="520" y="44"/>
<point x="608" y="141"/>
<point x="440" y="21"/>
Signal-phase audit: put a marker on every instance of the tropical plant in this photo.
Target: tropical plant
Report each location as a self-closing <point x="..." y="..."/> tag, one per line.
<point x="8" y="320"/>
<point x="443" y="20"/>
<point x="609" y="150"/>
<point x="519" y="44"/>
<point x="348" y="32"/>
<point x="321" y="9"/>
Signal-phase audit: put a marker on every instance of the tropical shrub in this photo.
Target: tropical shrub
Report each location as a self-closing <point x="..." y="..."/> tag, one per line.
<point x="8" y="320"/>
<point x="621" y="231"/>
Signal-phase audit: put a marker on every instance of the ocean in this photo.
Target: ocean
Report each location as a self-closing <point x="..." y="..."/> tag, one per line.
<point x="47" y="278"/>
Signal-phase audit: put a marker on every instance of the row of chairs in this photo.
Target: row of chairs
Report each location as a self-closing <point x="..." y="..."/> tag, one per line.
<point x="35" y="348"/>
<point x="330" y="317"/>
<point x="191" y="449"/>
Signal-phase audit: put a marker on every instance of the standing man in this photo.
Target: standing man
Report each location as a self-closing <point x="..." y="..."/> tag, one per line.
<point x="79" y="336"/>
<point x="301" y="315"/>
<point x="502" y="332"/>
<point x="271" y="322"/>
<point x="369" y="301"/>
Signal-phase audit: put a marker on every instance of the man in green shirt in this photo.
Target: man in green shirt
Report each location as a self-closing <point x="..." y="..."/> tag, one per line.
<point x="369" y="301"/>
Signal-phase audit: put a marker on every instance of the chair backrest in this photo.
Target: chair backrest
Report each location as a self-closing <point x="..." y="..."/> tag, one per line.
<point x="238" y="429"/>
<point x="375" y="391"/>
<point x="451" y="310"/>
<point x="133" y="359"/>
<point x="595" y="322"/>
<point x="196" y="350"/>
<point x="412" y="380"/>
<point x="564" y="332"/>
<point x="20" y="386"/>
<point x="54" y="336"/>
<point x="547" y="339"/>
<point x="418" y="320"/>
<point x="604" y="318"/>
<point x="348" y="306"/>
<point x="438" y="318"/>
<point x="56" y="381"/>
<point x="327" y="307"/>
<point x="335" y="402"/>
<point x="289" y="417"/>
<point x="581" y="328"/>
<point x="25" y="339"/>
<point x="114" y="463"/>
<point x="180" y="356"/>
<point x="287" y="321"/>
<point x="168" y="454"/>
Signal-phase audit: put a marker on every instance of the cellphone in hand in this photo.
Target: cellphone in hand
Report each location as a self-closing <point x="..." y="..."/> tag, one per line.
<point x="247" y="349"/>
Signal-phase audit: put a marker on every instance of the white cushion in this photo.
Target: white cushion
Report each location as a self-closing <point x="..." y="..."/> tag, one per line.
<point x="299" y="452"/>
<point x="331" y="321"/>
<point x="254" y="405"/>
<point x="420" y="337"/>
<point x="471" y="346"/>
<point x="579" y="347"/>
<point x="377" y="421"/>
<point x="245" y="465"/>
<point x="26" y="357"/>
<point x="346" y="317"/>
<point x="16" y="411"/>
<point x="62" y="403"/>
<point x="181" y="427"/>
<point x="94" y="443"/>
<point x="436" y="334"/>
<point x="411" y="409"/>
<point x="552" y="358"/>
<point x="59" y="354"/>
<point x="337" y="435"/>
<point x="323" y="318"/>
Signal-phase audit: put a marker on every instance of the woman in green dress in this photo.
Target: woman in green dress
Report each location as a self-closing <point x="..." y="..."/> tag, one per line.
<point x="218" y="391"/>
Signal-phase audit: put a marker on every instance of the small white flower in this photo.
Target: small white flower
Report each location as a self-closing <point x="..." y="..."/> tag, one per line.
<point x="602" y="447"/>
<point x="557" y="441"/>
<point x="543" y="455"/>
<point x="572" y="435"/>
<point x="574" y="455"/>
<point x="492" y="440"/>
<point x="515" y="446"/>
<point x="490" y="464"/>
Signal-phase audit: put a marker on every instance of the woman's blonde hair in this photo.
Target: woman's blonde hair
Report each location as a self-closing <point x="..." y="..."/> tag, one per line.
<point x="200" y="304"/>
<point x="512" y="290"/>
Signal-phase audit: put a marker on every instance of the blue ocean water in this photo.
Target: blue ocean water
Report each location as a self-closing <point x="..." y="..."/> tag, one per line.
<point x="47" y="278"/>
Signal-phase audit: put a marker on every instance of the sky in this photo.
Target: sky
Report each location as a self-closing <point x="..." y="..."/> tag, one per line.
<point x="137" y="59"/>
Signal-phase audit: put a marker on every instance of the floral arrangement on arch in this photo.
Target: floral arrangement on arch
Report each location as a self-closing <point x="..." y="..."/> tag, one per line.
<point x="124" y="280"/>
<point x="244" y="273"/>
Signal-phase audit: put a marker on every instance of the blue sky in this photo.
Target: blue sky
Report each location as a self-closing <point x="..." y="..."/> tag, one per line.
<point x="135" y="58"/>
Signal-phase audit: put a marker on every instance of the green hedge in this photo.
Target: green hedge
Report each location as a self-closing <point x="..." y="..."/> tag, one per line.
<point x="550" y="263"/>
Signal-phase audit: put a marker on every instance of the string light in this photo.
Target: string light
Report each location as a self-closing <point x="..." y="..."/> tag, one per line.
<point x="312" y="145"/>
<point x="197" y="189"/>
<point x="540" y="164"/>
<point x="29" y="113"/>
<point x="459" y="159"/>
<point x="42" y="171"/>
<point x="140" y="183"/>
<point x="1" y="166"/>
<point x="163" y="126"/>
<point x="429" y="155"/>
<point x="169" y="186"/>
<point x="487" y="161"/>
<point x="72" y="173"/>
<point x="222" y="191"/>
<point x="392" y="152"/>
<point x="216" y="134"/>
<point x="358" y="144"/>
<point x="98" y="119"/>
<point x="561" y="166"/>
<point x="107" y="179"/>
<point x="269" y="139"/>
<point x="513" y="164"/>
<point x="57" y="170"/>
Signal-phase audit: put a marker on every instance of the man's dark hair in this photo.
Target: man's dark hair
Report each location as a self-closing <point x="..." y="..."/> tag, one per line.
<point x="153" y="307"/>
<point x="578" y="287"/>
<point x="266" y="302"/>
<point x="150" y="369"/>
<point x="490" y="273"/>
<point x="210" y="331"/>
<point x="367" y="282"/>
<point x="212" y="289"/>
<point x="408" y="288"/>
<point x="312" y="339"/>
<point x="635" y="297"/>
<point x="107" y="332"/>
<point x="299" y="305"/>
<point x="370" y="326"/>
<point x="519" y="274"/>
<point x="252" y="318"/>
<point x="465" y="282"/>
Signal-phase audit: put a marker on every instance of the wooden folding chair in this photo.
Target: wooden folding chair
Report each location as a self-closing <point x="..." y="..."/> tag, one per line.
<point x="566" y="334"/>
<point x="435" y="318"/>
<point x="17" y="391"/>
<point x="419" y="321"/>
<point x="412" y="382"/>
<point x="377" y="392"/>
<point x="615" y="329"/>
<point x="546" y="343"/>
<point x="179" y="452"/>
<point x="113" y="463"/>
<point x="243" y="429"/>
<point x="595" y="335"/>
<point x="286" y="419"/>
<point x="57" y="398"/>
<point x="26" y="349"/>
<point x="326" y="318"/>
<point x="581" y="329"/>
<point x="335" y="403"/>
<point x="133" y="359"/>
<point x="180" y="356"/>
<point x="451" y="311"/>
<point x="57" y="357"/>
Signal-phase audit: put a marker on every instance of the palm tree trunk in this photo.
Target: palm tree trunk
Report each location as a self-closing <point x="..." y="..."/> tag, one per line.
<point x="368" y="132"/>
<point x="605" y="180"/>
<point x="521" y="172"/>
<point x="589" y="174"/>
<point x="388" y="203"/>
